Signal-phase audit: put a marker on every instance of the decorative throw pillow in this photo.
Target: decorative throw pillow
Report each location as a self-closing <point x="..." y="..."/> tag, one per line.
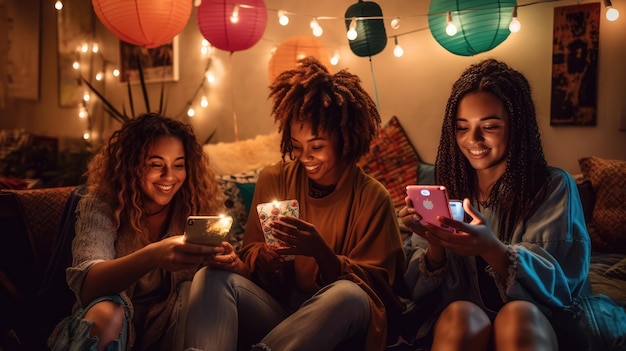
<point x="238" y="190"/>
<point x="235" y="208"/>
<point x="608" y="226"/>
<point x="392" y="160"/>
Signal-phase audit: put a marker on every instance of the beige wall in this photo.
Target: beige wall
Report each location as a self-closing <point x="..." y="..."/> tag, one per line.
<point x="414" y="87"/>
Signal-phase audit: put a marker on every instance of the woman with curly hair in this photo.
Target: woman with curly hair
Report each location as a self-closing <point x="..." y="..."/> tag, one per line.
<point x="131" y="267"/>
<point x="338" y="291"/>
<point x="495" y="282"/>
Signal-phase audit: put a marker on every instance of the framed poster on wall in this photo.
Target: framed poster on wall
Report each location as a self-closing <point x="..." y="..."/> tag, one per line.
<point x="159" y="64"/>
<point x="23" y="22"/>
<point x="75" y="28"/>
<point x="575" y="65"/>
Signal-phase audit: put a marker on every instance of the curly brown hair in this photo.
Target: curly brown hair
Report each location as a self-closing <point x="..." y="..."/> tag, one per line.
<point x="114" y="174"/>
<point x="336" y="103"/>
<point x="519" y="190"/>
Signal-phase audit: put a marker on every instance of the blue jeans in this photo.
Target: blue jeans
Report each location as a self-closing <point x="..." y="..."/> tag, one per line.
<point x="226" y="309"/>
<point x="74" y="332"/>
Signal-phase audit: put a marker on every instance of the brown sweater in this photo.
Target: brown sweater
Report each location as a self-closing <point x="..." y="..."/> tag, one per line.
<point x="358" y="222"/>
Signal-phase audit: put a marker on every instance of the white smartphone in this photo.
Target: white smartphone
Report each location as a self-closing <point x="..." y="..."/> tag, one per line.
<point x="431" y="201"/>
<point x="208" y="230"/>
<point x="268" y="212"/>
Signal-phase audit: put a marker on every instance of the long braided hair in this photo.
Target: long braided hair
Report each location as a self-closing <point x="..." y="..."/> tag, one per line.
<point x="336" y="103"/>
<point x="519" y="190"/>
<point x="114" y="174"/>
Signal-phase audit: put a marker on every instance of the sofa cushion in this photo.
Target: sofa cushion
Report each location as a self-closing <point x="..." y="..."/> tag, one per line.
<point x="607" y="228"/>
<point x="238" y="190"/>
<point x="392" y="160"/>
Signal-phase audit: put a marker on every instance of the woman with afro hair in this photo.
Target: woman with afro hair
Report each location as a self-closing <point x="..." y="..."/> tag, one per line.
<point x="338" y="291"/>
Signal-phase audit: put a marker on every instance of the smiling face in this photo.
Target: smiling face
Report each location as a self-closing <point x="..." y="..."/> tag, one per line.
<point x="318" y="154"/>
<point x="482" y="132"/>
<point x="164" y="172"/>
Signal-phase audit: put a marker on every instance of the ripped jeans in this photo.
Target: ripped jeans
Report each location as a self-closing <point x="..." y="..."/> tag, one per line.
<point x="228" y="312"/>
<point x="73" y="334"/>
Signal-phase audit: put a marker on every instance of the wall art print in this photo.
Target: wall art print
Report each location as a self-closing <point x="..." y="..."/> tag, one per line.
<point x="75" y="27"/>
<point x="575" y="65"/>
<point x="23" y="22"/>
<point x="159" y="64"/>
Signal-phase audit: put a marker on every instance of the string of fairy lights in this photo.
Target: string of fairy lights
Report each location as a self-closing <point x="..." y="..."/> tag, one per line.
<point x="199" y="98"/>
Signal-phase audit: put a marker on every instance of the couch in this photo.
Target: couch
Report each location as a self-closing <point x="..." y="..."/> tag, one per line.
<point x="33" y="256"/>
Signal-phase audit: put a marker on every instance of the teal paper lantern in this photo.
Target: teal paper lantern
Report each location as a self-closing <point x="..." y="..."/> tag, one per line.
<point x="371" y="37"/>
<point x="481" y="24"/>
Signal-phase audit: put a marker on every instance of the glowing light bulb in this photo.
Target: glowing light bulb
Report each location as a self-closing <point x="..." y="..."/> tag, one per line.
<point x="515" y="25"/>
<point x="352" y="34"/>
<point x="395" y="23"/>
<point x="86" y="136"/>
<point x="76" y="65"/>
<point x="234" y="18"/>
<point x="204" y="102"/>
<point x="398" y="51"/>
<point x="210" y="77"/>
<point x="99" y="76"/>
<point x="316" y="28"/>
<point x="95" y="48"/>
<point x="318" y="31"/>
<point x="612" y="14"/>
<point x="86" y="97"/>
<point x="450" y="28"/>
<point x="335" y="59"/>
<point x="191" y="112"/>
<point x="58" y="5"/>
<point x="82" y="113"/>
<point x="116" y="72"/>
<point x="282" y="18"/>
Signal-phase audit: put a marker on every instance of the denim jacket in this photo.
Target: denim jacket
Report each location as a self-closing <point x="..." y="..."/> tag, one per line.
<point x="549" y="253"/>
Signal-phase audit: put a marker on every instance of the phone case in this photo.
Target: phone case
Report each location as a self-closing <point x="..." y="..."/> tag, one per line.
<point x="430" y="201"/>
<point x="268" y="212"/>
<point x="208" y="230"/>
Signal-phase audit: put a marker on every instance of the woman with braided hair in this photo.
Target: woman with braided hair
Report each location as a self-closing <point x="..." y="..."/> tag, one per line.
<point x="339" y="290"/>
<point x="496" y="281"/>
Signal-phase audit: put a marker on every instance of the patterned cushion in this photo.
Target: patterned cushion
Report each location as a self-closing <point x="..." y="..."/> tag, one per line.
<point x="392" y="160"/>
<point x="238" y="190"/>
<point x="42" y="210"/>
<point x="608" y="226"/>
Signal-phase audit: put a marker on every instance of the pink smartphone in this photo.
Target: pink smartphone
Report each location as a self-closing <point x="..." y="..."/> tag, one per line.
<point x="268" y="212"/>
<point x="430" y="201"/>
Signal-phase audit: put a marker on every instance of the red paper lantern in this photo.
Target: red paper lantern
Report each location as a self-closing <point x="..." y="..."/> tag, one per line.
<point x="293" y="49"/>
<point x="147" y="23"/>
<point x="216" y="24"/>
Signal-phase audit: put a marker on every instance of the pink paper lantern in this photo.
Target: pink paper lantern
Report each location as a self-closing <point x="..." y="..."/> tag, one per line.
<point x="147" y="23"/>
<point x="215" y="21"/>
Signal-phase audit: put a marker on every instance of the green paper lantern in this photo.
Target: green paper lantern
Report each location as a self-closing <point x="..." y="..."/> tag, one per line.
<point x="371" y="36"/>
<point x="481" y="24"/>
